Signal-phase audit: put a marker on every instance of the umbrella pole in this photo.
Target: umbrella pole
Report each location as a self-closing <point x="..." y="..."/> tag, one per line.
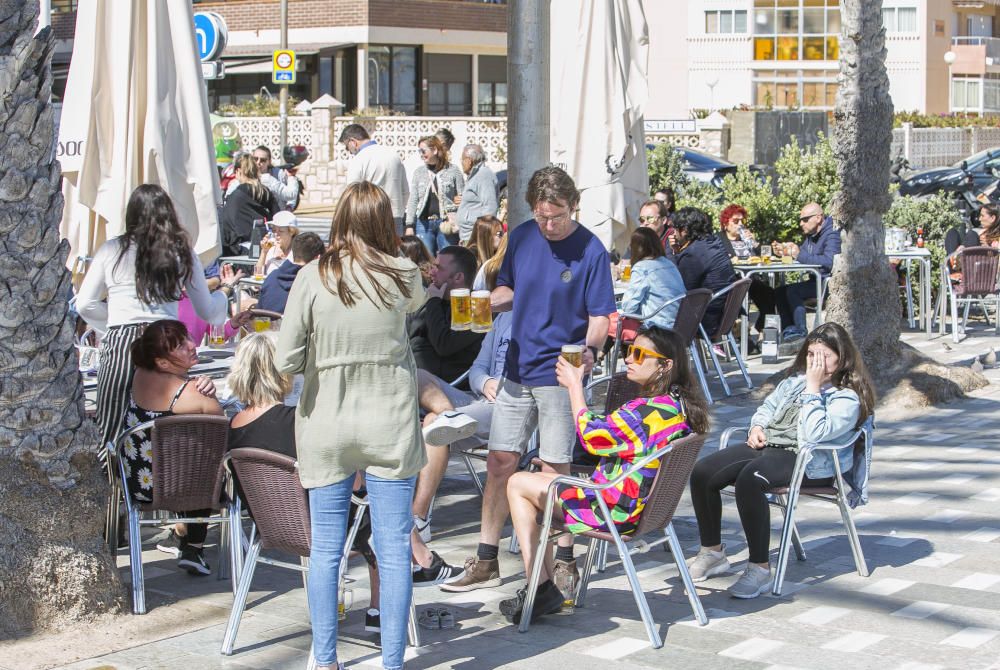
<point x="528" y="41"/>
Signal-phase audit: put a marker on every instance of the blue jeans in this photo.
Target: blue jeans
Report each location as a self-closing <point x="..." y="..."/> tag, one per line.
<point x="429" y="232"/>
<point x="390" y="503"/>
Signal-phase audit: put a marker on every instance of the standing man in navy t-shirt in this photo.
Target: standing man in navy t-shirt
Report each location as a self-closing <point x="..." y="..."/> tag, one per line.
<point x="556" y="277"/>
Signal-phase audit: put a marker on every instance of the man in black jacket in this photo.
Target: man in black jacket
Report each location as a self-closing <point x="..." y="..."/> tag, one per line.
<point x="436" y="347"/>
<point x="702" y="261"/>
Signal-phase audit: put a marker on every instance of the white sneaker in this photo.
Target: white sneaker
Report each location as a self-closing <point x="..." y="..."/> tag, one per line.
<point x="753" y="582"/>
<point x="708" y="563"/>
<point x="450" y="427"/>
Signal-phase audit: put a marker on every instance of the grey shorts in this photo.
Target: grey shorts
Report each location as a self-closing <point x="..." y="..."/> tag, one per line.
<point x="519" y="410"/>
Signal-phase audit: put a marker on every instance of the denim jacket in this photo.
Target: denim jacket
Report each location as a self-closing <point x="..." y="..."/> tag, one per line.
<point x="825" y="418"/>
<point x="654" y="281"/>
<point x="492" y="359"/>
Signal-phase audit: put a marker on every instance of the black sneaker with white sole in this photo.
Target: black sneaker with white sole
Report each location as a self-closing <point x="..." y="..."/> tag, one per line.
<point x="171" y="543"/>
<point x="450" y="427"/>
<point x="437" y="573"/>
<point x="192" y="560"/>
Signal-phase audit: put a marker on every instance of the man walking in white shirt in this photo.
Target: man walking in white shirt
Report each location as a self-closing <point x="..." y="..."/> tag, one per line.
<point x="379" y="165"/>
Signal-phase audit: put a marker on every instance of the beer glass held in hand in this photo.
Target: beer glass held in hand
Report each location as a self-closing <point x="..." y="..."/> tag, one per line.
<point x="482" y="316"/>
<point x="573" y="353"/>
<point x="461" y="309"/>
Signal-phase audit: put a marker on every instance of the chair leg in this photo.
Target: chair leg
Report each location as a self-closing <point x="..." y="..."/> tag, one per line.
<point x="786" y="535"/>
<point x="640" y="597"/>
<point x="695" y="356"/>
<point x="235" y="542"/>
<point x="114" y="505"/>
<point x="602" y="557"/>
<point x="852" y="536"/>
<point x="954" y="317"/>
<point x="515" y="547"/>
<point x="311" y="663"/>
<point x="782" y="502"/>
<point x="240" y="599"/>
<point x="222" y="560"/>
<point x="739" y="360"/>
<point x="692" y="593"/>
<point x="475" y="475"/>
<point x="909" y="299"/>
<point x="718" y="367"/>
<point x="588" y="570"/>
<point x="413" y="632"/>
<point x="135" y="563"/>
<point x="352" y="532"/>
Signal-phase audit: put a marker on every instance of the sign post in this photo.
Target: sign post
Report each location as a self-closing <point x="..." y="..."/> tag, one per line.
<point x="211" y="35"/>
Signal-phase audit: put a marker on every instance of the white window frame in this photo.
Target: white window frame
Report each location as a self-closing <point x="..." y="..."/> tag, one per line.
<point x="731" y="14"/>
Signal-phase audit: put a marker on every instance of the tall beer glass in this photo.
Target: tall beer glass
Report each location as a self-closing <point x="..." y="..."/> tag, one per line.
<point x="573" y="353"/>
<point x="461" y="309"/>
<point x="482" y="314"/>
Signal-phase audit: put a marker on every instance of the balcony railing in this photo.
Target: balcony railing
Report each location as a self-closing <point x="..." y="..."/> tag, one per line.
<point x="991" y="44"/>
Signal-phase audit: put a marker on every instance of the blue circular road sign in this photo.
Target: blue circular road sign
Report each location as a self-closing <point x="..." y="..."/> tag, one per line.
<point x="211" y="35"/>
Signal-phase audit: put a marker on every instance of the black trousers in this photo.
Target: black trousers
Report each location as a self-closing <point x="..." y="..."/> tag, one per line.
<point x="753" y="472"/>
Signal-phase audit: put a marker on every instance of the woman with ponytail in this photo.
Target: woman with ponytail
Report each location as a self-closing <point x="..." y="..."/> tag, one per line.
<point x="135" y="279"/>
<point x="669" y="406"/>
<point x="827" y="396"/>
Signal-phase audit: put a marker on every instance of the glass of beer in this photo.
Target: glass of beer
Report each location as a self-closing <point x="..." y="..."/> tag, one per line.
<point x="573" y="353"/>
<point x="627" y="272"/>
<point x="765" y="254"/>
<point x="261" y="324"/>
<point x="461" y="309"/>
<point x="482" y="314"/>
<point x="217" y="336"/>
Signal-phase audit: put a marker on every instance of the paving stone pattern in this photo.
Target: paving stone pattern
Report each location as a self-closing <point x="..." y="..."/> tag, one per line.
<point x="930" y="535"/>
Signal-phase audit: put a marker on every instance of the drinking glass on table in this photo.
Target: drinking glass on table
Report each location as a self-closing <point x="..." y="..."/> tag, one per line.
<point x="766" y="253"/>
<point x="217" y="335"/>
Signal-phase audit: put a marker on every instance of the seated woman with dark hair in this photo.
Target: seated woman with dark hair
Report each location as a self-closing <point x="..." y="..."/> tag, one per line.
<point x="412" y="247"/>
<point x="669" y="407"/>
<point x="162" y="355"/>
<point x="702" y="260"/>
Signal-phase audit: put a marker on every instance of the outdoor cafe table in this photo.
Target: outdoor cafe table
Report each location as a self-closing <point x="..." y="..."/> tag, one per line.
<point x="749" y="270"/>
<point x="923" y="257"/>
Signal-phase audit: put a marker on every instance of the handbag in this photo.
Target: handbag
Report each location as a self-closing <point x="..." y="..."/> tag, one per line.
<point x="449" y="221"/>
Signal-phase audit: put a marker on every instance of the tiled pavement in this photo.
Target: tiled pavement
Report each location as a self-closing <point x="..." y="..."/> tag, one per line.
<point x="930" y="534"/>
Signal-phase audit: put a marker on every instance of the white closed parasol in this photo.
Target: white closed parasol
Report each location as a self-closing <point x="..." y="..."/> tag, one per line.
<point x="599" y="55"/>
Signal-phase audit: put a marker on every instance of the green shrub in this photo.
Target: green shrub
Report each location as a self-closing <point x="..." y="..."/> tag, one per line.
<point x="704" y="196"/>
<point x="259" y="105"/>
<point x="945" y="120"/>
<point x="666" y="168"/>
<point x="804" y="176"/>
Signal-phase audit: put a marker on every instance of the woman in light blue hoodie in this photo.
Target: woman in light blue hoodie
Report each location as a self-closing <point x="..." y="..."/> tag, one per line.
<point x="827" y="396"/>
<point x="655" y="280"/>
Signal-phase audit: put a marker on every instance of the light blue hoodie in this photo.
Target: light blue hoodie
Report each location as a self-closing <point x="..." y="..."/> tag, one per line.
<point x="824" y="418"/>
<point x="654" y="281"/>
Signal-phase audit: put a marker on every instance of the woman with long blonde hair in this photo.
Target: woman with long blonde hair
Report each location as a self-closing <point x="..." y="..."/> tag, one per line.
<point x="250" y="201"/>
<point x="486" y="236"/>
<point x="344" y="331"/>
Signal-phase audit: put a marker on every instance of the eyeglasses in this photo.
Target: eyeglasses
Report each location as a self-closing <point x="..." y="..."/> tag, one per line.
<point x="260" y="159"/>
<point x="648" y="219"/>
<point x="639" y="354"/>
<point x="424" y="151"/>
<point x="803" y="219"/>
<point x="551" y="219"/>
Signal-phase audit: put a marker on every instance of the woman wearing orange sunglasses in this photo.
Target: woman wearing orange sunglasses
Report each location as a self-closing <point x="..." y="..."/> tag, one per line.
<point x="669" y="407"/>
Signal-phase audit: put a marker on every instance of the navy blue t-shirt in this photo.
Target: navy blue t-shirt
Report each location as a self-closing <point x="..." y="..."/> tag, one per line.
<point x="557" y="287"/>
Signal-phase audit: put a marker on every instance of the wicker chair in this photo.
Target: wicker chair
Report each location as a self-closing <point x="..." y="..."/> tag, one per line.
<point x="980" y="267"/>
<point x="786" y="497"/>
<point x="677" y="460"/>
<point x="280" y="507"/>
<point x="687" y="325"/>
<point x="188" y="450"/>
<point x="734" y="295"/>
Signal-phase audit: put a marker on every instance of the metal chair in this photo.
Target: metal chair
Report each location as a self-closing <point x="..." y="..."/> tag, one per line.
<point x="734" y="294"/>
<point x="677" y="460"/>
<point x="787" y="497"/>
<point x="689" y="315"/>
<point x="980" y="267"/>
<point x="188" y="450"/>
<point x="611" y="363"/>
<point x="280" y="507"/>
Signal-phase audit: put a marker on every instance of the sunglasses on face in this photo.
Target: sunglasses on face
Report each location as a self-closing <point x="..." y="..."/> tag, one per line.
<point x="648" y="219"/>
<point x="803" y="219"/>
<point x="639" y="354"/>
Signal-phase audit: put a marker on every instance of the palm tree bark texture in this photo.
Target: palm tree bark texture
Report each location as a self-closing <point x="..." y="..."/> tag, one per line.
<point x="864" y="293"/>
<point x="54" y="564"/>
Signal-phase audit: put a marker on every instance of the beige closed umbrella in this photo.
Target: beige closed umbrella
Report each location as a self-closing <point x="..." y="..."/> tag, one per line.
<point x="135" y="112"/>
<point x="599" y="57"/>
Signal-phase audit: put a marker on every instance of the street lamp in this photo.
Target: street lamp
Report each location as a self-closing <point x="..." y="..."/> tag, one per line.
<point x="949" y="59"/>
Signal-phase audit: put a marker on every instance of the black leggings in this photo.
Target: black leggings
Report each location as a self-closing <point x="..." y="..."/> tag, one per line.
<point x="753" y="472"/>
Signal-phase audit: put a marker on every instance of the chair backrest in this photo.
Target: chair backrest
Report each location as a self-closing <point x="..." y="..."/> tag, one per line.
<point x="669" y="484"/>
<point x="691" y="312"/>
<point x="735" y="293"/>
<point x="952" y="240"/>
<point x="980" y="266"/>
<point x="279" y="504"/>
<point x="187" y="461"/>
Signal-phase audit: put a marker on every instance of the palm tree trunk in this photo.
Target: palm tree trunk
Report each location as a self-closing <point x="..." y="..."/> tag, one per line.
<point x="864" y="293"/>
<point x="54" y="566"/>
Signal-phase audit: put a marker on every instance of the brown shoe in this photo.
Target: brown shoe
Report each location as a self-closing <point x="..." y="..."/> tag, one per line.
<point x="479" y="574"/>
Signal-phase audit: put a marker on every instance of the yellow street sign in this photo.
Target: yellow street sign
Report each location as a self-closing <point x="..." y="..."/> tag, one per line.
<point x="283" y="67"/>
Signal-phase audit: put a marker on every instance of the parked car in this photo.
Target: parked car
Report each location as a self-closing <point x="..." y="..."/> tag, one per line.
<point x="705" y="167"/>
<point x="982" y="169"/>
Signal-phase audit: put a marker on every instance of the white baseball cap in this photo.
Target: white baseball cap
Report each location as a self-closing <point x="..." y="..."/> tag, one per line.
<point x="284" y="219"/>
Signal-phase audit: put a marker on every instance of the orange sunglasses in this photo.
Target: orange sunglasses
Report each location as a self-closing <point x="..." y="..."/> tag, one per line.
<point x="639" y="354"/>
